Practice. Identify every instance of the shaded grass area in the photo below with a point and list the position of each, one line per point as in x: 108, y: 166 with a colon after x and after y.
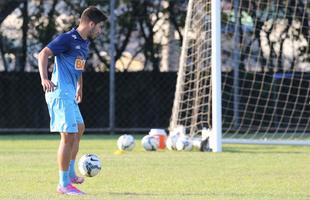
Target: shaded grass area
x: 28, y: 170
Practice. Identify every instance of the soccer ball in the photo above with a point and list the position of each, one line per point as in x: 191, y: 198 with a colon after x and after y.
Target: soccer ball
x: 184, y: 143
x: 126, y: 142
x: 89, y: 165
x: 149, y: 143
x: 171, y: 142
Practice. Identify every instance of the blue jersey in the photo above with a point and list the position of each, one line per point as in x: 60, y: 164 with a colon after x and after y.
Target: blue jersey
x: 70, y: 51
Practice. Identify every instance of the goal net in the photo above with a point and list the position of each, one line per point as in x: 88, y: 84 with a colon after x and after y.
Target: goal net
x: 265, y: 71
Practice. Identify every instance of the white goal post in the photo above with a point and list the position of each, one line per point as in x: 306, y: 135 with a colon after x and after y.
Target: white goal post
x: 245, y: 72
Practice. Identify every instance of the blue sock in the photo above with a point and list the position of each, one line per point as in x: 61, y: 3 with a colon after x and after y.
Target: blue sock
x: 71, y: 169
x: 64, y: 178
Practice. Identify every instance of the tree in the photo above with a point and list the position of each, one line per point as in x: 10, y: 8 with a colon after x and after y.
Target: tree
x: 136, y: 30
x: 146, y: 20
x: 175, y: 13
x: 276, y: 31
x: 6, y: 8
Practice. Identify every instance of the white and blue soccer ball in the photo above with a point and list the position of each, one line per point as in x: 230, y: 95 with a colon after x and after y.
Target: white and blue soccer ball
x: 126, y: 142
x: 149, y: 143
x: 89, y: 165
x: 171, y: 142
x: 184, y: 144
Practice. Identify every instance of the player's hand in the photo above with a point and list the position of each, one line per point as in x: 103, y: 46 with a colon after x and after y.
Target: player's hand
x: 79, y: 96
x: 48, y: 86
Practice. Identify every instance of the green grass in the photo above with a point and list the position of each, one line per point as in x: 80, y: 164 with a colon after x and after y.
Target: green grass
x: 28, y: 170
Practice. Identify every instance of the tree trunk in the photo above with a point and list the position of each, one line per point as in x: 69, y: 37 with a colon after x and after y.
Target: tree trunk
x: 25, y: 31
x: 170, y: 51
x: 5, y: 65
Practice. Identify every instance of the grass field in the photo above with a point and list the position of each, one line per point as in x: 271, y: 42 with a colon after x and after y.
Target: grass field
x: 28, y: 170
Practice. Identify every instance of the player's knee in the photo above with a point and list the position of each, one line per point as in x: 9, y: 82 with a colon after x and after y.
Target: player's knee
x: 81, y: 128
x: 67, y: 138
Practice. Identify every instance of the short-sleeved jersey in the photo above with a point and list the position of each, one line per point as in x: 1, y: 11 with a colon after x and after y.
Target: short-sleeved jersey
x: 70, y: 51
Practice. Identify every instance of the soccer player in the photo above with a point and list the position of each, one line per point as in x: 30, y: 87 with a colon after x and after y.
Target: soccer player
x: 64, y: 91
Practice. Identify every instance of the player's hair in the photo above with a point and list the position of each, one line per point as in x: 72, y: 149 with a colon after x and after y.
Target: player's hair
x: 93, y: 14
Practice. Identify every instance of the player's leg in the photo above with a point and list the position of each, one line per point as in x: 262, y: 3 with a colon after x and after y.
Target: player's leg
x: 75, y: 149
x: 63, y: 157
x: 76, y: 143
x: 62, y: 116
x: 74, y: 178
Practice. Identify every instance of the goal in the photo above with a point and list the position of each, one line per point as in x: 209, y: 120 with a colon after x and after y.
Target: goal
x: 245, y: 72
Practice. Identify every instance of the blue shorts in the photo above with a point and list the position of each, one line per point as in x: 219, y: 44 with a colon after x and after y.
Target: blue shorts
x: 64, y: 114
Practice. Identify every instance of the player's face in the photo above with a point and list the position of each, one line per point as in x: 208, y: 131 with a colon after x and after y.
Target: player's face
x: 95, y: 30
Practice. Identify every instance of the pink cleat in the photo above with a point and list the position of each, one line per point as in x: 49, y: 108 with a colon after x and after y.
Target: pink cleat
x: 77, y: 180
x: 69, y: 190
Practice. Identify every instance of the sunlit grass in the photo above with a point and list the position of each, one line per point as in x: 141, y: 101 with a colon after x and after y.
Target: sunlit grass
x: 28, y: 170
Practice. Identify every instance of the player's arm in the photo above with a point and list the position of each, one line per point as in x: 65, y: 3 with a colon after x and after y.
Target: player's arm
x: 43, y: 62
x: 57, y: 46
x: 79, y: 92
